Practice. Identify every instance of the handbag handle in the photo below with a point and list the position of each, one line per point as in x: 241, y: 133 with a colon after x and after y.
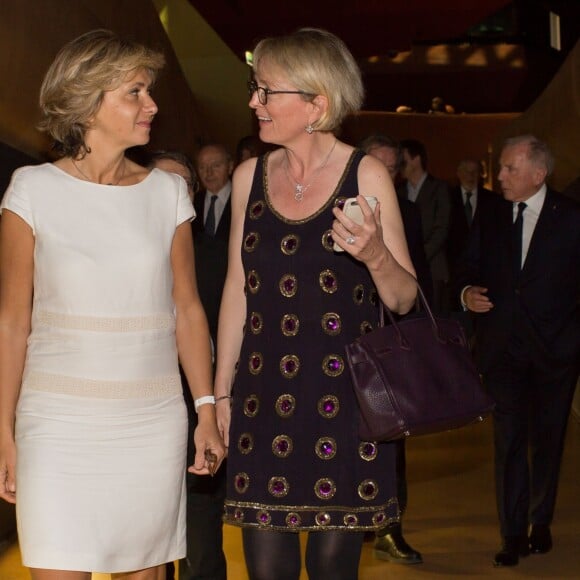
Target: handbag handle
x: 423, y: 302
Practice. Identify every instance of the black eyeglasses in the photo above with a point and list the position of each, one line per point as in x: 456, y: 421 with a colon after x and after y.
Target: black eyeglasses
x: 263, y: 92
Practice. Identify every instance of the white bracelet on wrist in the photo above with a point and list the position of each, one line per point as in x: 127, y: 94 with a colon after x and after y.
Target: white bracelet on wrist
x: 205, y: 400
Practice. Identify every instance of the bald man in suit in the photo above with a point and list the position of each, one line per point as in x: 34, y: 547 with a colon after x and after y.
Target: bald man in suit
x: 520, y: 277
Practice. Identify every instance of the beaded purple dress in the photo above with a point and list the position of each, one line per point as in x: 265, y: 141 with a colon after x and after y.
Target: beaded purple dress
x: 295, y: 461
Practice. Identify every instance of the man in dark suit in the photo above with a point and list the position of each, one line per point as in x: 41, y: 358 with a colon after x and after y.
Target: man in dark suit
x: 390, y: 544
x: 431, y: 196
x: 211, y: 228
x: 466, y: 198
x: 521, y: 277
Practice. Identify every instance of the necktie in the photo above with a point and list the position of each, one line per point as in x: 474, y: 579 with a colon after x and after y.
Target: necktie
x: 517, y: 230
x: 210, y: 219
x: 468, y: 207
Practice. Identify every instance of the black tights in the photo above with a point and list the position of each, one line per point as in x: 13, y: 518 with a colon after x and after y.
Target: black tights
x: 272, y: 555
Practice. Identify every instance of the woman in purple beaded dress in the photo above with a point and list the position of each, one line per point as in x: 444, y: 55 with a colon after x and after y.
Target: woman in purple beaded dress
x: 291, y: 303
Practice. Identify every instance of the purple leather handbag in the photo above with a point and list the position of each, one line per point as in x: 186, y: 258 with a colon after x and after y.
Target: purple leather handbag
x: 414, y: 377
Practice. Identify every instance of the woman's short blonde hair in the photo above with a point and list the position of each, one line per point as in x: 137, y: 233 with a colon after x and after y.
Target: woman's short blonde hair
x: 81, y: 73
x: 316, y: 62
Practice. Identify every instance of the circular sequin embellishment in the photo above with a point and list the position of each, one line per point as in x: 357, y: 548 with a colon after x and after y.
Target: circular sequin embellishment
x: 325, y: 448
x: 289, y: 325
x: 331, y: 323
x: 290, y: 244
x: 282, y: 446
x: 358, y: 294
x: 328, y: 282
x: 325, y: 488
x: 379, y: 518
x: 256, y: 322
x: 350, y: 520
x: 241, y: 482
x: 255, y: 363
x: 328, y: 241
x: 288, y: 285
x: 333, y: 365
x: 251, y: 241
x: 293, y: 520
x: 253, y: 281
x: 245, y: 443
x: 263, y: 517
x: 251, y: 406
x: 256, y: 210
x: 365, y: 327
x: 368, y: 450
x: 374, y: 297
x: 278, y: 486
x: 339, y: 202
x: 322, y: 519
x: 239, y: 515
x: 328, y: 406
x: 285, y: 406
x: 368, y: 489
x: 289, y: 366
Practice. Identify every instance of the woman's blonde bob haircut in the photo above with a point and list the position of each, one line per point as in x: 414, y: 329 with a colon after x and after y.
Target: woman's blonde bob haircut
x: 317, y: 62
x: 81, y: 73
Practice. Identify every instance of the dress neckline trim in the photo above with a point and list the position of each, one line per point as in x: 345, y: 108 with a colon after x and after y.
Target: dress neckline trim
x: 102, y: 185
x: 325, y: 206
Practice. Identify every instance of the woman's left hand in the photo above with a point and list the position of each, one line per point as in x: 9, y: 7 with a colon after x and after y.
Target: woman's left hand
x: 210, y: 450
x: 362, y: 241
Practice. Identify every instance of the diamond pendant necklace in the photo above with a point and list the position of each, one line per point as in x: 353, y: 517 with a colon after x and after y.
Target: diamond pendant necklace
x: 300, y: 188
x: 87, y: 178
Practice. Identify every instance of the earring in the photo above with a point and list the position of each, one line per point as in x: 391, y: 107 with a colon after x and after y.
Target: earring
x: 309, y: 129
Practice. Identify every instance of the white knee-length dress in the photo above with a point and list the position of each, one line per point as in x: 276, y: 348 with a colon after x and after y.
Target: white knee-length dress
x: 101, y: 424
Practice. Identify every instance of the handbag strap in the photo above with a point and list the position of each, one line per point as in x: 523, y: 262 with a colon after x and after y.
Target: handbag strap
x: 422, y: 301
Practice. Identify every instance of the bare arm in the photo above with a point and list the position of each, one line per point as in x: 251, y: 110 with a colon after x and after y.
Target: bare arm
x: 16, y: 281
x: 193, y: 346
x: 380, y: 240
x: 233, y: 304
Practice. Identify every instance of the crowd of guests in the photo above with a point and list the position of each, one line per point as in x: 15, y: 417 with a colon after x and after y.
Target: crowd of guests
x: 248, y: 239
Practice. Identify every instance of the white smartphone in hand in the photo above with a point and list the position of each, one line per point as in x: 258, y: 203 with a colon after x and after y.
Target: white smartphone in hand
x: 352, y: 209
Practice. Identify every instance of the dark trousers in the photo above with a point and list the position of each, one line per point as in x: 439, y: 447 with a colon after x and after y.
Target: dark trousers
x: 401, y: 469
x: 205, y: 507
x: 533, y: 399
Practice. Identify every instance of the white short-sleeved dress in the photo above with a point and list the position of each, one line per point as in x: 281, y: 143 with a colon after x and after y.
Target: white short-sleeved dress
x: 101, y: 424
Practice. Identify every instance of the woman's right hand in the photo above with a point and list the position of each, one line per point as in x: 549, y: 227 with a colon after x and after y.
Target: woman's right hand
x: 8, y: 471
x: 223, y: 411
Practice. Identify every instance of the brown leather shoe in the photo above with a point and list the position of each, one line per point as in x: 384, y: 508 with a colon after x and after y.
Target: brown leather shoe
x: 540, y: 539
x: 393, y: 548
x: 513, y: 548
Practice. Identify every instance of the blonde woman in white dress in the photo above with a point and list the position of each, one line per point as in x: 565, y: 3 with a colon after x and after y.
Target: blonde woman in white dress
x: 98, y: 301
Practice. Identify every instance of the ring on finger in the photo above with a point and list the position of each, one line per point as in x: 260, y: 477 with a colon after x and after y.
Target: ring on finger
x: 350, y: 240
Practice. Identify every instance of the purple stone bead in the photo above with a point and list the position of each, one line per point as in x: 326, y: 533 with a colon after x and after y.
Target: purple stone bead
x: 289, y: 285
x: 264, y: 517
x: 282, y: 446
x: 332, y: 323
x: 290, y: 366
x: 329, y: 406
x: 327, y: 448
x: 256, y: 362
x: 329, y: 281
x: 252, y: 405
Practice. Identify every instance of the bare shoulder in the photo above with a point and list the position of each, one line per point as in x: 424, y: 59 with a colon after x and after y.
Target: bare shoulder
x: 373, y: 176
